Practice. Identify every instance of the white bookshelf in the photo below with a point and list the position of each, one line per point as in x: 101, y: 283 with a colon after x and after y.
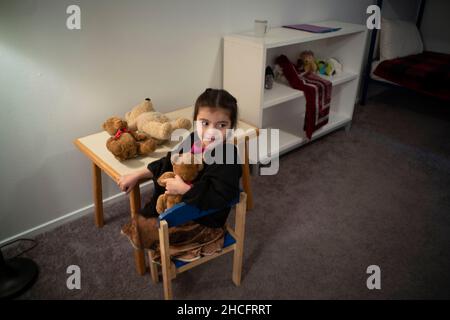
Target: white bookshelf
x: 283, y: 108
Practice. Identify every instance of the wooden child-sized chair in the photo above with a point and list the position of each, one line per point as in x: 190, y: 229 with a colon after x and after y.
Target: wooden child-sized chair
x: 182, y: 213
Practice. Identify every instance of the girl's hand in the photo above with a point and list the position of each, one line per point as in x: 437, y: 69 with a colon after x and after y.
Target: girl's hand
x: 126, y: 183
x: 176, y: 186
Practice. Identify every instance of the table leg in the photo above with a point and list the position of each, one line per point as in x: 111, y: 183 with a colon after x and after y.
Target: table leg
x: 135, y: 206
x: 98, y: 195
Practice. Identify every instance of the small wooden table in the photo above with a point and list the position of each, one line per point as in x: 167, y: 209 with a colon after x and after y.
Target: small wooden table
x: 94, y: 147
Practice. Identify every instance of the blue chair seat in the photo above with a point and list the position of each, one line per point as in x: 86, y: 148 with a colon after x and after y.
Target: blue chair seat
x: 228, y: 241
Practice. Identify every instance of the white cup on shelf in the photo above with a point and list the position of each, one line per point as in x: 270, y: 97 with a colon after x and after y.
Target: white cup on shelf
x: 261, y: 27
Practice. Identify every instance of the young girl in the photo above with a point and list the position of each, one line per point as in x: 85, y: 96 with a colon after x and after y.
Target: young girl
x: 217, y: 184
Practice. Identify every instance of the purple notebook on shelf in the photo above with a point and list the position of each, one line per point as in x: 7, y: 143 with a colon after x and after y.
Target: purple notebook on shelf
x: 311, y: 28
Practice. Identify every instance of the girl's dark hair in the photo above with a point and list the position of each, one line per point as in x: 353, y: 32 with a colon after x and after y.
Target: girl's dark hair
x: 218, y: 98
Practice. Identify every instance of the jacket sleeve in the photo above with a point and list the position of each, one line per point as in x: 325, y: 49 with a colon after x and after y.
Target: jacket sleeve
x: 158, y: 167
x: 217, y: 187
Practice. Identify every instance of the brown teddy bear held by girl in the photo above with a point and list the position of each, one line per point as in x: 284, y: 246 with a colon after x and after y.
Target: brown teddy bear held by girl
x: 187, y: 166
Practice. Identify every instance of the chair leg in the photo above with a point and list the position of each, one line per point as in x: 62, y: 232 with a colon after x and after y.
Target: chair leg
x: 239, y: 245
x: 153, y: 267
x: 165, y: 259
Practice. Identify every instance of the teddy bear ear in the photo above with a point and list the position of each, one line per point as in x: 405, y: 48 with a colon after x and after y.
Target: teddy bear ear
x: 108, y: 126
x: 120, y: 122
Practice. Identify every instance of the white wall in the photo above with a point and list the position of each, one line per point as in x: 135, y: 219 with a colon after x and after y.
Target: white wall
x: 57, y: 85
x: 435, y: 27
x: 400, y: 9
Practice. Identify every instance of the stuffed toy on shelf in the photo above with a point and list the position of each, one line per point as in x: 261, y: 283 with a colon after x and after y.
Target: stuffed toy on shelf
x: 329, y: 67
x: 269, y: 78
x: 306, y: 62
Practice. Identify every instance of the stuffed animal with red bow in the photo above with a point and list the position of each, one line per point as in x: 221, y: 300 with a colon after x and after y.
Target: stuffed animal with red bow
x: 125, y: 144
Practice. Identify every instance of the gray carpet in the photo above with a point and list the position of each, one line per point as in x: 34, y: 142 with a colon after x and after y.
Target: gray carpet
x: 379, y: 194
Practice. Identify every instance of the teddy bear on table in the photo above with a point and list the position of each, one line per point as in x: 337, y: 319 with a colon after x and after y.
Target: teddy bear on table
x: 187, y: 166
x: 144, y: 118
x: 125, y: 143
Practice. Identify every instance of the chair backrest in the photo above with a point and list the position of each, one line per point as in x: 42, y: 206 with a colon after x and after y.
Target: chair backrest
x: 183, y: 212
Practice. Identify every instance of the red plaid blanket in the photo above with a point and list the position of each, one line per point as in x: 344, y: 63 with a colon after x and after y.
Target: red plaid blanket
x: 317, y: 93
x: 427, y: 72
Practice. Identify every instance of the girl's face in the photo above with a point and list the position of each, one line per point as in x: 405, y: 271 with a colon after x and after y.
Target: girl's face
x: 212, y: 122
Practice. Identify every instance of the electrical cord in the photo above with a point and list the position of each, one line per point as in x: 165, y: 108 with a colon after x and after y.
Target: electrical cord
x: 24, y: 251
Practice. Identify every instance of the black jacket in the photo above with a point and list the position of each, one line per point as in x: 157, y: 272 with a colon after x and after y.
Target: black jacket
x: 216, y: 185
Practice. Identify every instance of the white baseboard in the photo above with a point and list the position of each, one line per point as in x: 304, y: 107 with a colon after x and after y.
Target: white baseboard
x: 71, y: 216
